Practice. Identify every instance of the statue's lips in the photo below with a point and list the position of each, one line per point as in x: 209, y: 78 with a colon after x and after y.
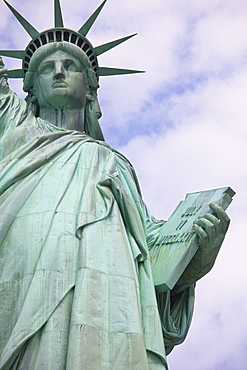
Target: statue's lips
x: 59, y: 84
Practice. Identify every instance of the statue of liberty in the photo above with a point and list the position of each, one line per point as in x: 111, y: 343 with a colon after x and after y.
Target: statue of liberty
x: 76, y: 281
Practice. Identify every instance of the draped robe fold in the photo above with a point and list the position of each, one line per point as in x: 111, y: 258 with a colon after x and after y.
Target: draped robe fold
x: 76, y: 284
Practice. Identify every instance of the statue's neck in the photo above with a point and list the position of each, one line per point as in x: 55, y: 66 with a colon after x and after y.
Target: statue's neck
x: 70, y: 119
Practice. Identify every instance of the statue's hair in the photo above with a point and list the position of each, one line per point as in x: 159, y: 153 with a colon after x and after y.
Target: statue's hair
x: 93, y: 111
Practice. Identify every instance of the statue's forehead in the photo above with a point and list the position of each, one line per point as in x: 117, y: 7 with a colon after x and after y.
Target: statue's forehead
x: 59, y: 55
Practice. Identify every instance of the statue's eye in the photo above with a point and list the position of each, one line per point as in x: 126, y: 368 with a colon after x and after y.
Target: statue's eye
x: 71, y: 66
x: 46, y: 69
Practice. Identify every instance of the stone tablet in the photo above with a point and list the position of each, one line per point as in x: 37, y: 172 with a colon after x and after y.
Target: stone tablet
x: 177, y: 243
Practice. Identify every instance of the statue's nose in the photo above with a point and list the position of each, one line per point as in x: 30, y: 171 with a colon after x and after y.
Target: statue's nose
x: 59, y: 76
x: 59, y: 73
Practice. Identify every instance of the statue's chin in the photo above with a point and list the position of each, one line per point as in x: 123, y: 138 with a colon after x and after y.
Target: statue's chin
x: 61, y: 100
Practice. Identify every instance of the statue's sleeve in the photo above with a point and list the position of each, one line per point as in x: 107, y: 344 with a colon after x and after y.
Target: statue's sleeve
x: 176, y: 310
x: 176, y: 305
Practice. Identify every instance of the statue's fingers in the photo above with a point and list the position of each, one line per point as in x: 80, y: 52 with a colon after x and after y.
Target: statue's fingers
x: 202, y: 235
x: 221, y: 214
x: 219, y: 228
x: 213, y: 219
x: 207, y: 226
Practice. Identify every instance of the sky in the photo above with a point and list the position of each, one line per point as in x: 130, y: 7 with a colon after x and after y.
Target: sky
x: 182, y: 124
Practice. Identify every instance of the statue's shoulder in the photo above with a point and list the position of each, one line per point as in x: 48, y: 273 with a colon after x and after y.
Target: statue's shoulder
x: 119, y: 156
x: 123, y: 162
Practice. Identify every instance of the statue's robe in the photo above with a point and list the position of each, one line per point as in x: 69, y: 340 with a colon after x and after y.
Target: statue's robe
x: 76, y: 284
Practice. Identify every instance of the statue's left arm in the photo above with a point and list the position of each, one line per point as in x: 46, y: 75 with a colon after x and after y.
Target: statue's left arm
x: 210, y: 230
x: 176, y: 305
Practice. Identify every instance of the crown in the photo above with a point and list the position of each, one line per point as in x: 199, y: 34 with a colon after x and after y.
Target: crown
x: 61, y: 34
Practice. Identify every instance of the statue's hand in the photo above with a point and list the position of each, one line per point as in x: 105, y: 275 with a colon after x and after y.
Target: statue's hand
x: 211, y: 228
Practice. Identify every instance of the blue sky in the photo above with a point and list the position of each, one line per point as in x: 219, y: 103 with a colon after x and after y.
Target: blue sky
x: 183, y: 124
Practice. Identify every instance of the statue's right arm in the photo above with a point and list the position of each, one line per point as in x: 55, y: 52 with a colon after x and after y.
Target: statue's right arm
x: 4, y: 86
x: 13, y: 110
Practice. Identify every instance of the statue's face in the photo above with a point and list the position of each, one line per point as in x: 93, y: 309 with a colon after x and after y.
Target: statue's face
x: 60, y: 82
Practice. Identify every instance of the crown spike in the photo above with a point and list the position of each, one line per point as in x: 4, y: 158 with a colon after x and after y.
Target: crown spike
x: 15, y: 73
x: 25, y: 24
x: 110, y: 45
x: 58, y: 16
x: 88, y: 24
x: 18, y: 54
x: 107, y: 71
x: 40, y: 39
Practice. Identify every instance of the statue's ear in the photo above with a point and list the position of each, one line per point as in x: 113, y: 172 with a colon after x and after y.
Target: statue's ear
x: 89, y: 97
x: 31, y: 96
x: 32, y: 102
